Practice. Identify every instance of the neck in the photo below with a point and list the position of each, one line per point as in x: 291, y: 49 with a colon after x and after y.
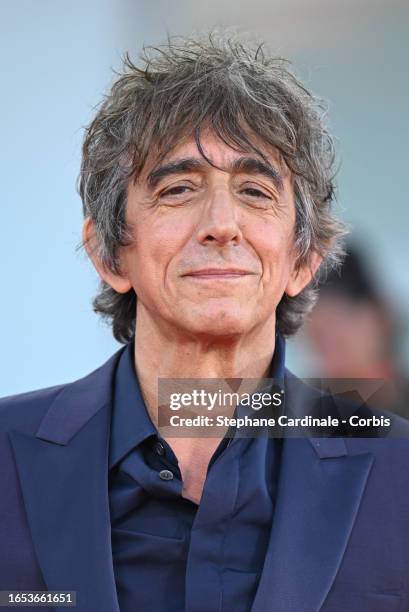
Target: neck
x: 168, y: 353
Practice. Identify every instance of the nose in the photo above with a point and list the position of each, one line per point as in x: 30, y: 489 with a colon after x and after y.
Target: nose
x: 219, y: 220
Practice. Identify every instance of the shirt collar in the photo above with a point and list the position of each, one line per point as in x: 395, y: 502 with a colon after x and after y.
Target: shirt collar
x: 130, y: 421
x: 277, y: 367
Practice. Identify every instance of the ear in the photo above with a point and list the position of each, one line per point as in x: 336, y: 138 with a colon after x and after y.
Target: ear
x: 118, y: 282
x: 302, y: 275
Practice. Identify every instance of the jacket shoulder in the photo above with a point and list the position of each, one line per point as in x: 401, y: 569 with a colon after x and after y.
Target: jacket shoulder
x: 25, y: 410
x: 389, y: 436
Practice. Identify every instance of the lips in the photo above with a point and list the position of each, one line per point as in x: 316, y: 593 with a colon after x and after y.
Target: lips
x: 215, y: 273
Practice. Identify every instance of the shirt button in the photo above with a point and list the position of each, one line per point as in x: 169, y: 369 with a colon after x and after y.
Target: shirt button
x: 165, y: 475
x: 159, y: 448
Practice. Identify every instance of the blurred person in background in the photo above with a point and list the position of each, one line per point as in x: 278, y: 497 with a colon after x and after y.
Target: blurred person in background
x: 354, y: 332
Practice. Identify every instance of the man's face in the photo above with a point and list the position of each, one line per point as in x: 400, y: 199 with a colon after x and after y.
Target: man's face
x: 213, y: 248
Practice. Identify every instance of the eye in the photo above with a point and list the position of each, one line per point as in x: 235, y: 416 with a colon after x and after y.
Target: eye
x: 175, y: 191
x: 255, y: 196
x: 255, y: 193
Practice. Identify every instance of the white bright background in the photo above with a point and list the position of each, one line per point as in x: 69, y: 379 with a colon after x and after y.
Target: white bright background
x: 56, y: 63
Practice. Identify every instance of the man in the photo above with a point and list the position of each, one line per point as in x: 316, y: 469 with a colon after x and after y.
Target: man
x: 207, y: 184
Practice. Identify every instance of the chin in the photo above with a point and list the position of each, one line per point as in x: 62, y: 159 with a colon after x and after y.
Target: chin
x: 220, y: 323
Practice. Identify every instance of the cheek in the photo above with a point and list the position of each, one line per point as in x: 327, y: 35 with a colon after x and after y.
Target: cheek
x: 275, y: 249
x: 156, y: 245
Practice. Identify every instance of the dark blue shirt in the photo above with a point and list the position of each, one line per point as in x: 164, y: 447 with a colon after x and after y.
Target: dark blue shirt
x: 170, y: 554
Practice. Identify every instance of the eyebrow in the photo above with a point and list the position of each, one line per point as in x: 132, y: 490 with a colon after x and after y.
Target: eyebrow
x: 178, y: 166
x: 250, y: 165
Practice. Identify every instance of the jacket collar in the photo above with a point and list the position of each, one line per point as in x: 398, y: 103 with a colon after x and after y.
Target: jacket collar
x: 78, y: 402
x: 320, y: 490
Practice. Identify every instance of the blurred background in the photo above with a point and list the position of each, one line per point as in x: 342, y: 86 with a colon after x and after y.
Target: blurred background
x: 57, y: 60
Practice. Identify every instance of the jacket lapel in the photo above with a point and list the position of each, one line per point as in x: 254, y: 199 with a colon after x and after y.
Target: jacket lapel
x: 319, y: 493
x: 63, y: 475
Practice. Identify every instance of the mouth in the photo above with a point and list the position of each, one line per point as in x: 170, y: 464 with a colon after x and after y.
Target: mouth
x: 218, y: 274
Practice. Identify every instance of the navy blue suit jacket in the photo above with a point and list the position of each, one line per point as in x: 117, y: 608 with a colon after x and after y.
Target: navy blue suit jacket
x: 340, y: 535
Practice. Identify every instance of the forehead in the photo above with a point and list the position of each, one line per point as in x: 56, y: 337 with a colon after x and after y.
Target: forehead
x: 217, y: 152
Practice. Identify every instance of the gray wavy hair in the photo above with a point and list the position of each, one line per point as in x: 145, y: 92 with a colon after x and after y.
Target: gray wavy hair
x: 245, y: 96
